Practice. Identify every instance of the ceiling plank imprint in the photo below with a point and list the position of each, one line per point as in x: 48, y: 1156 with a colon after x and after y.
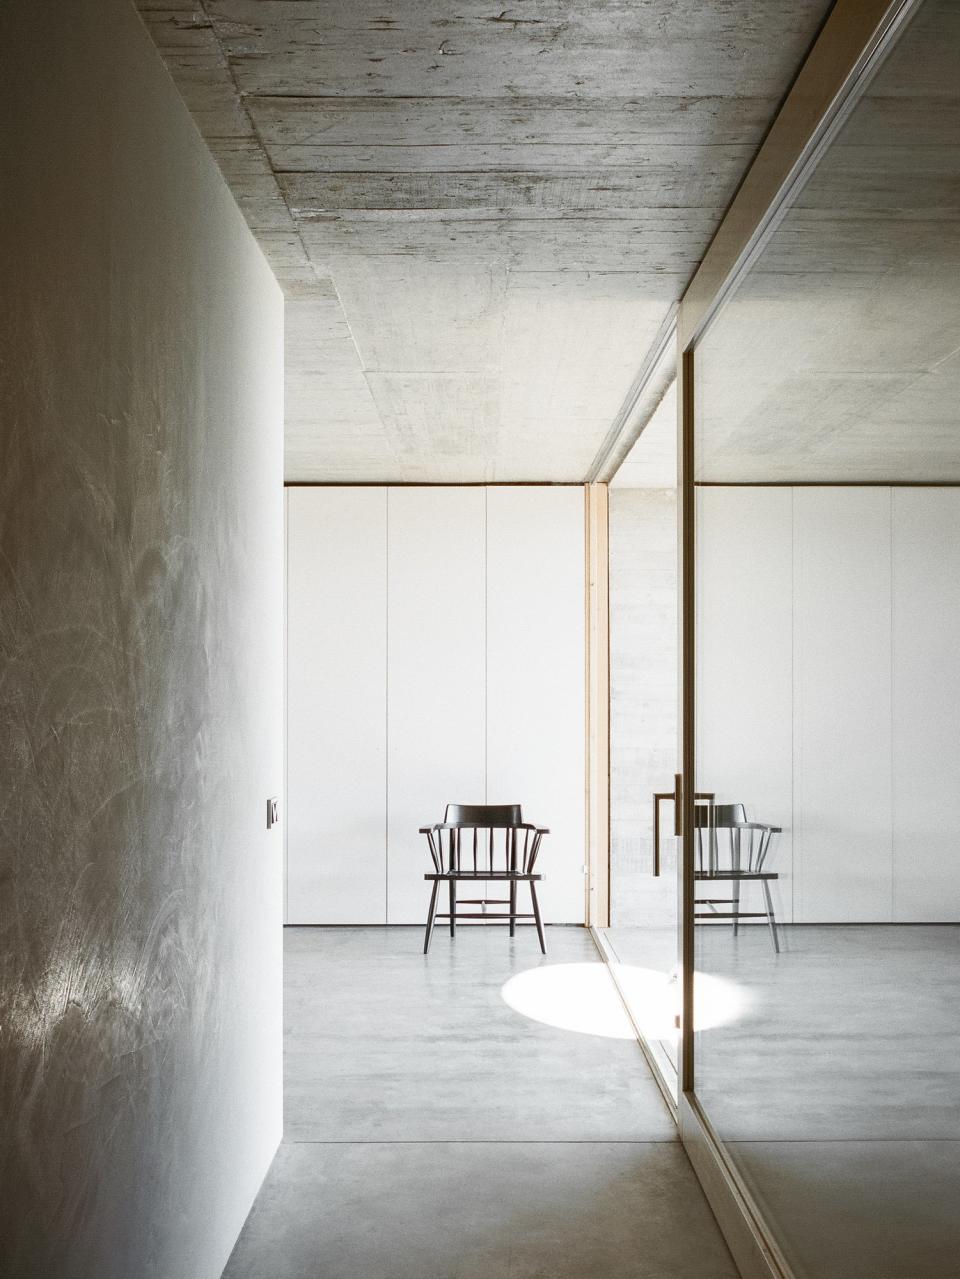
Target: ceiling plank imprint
x: 479, y: 216
x: 858, y: 283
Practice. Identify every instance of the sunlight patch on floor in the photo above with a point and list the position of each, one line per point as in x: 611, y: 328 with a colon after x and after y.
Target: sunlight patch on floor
x: 584, y: 999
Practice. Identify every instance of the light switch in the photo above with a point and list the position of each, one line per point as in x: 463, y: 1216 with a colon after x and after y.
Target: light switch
x: 273, y: 811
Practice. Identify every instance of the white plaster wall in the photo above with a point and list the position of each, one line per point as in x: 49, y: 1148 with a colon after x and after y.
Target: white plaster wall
x: 459, y: 642
x: 140, y: 667
x: 925, y: 624
x: 536, y: 686
x: 336, y: 705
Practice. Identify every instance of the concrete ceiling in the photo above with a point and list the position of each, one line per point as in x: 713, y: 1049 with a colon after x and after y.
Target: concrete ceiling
x: 481, y: 217
x: 652, y: 462
x: 838, y: 359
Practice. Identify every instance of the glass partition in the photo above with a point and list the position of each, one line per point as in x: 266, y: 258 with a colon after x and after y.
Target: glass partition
x: 827, y: 578
x: 642, y: 942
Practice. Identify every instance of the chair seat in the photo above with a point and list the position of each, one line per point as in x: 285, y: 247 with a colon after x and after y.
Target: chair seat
x: 482, y: 875
x: 735, y: 874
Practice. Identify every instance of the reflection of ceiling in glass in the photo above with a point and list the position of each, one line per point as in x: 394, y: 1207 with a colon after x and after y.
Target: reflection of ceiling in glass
x: 839, y: 356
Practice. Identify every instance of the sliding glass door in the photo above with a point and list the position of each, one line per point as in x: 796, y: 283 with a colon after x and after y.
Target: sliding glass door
x: 823, y: 582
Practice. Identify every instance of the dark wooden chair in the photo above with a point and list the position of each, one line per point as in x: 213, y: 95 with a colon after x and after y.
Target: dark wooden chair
x: 736, y: 858
x: 483, y: 843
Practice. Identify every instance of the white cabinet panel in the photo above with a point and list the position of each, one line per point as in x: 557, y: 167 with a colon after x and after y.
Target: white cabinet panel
x: 842, y: 727
x: 745, y: 663
x: 926, y: 697
x: 535, y: 677
x: 336, y: 706
x: 436, y: 664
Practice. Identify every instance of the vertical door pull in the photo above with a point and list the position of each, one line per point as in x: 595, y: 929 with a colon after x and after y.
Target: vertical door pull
x: 678, y: 803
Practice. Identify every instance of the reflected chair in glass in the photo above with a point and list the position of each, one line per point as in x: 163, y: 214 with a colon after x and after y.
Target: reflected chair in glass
x: 481, y: 843
x: 731, y: 849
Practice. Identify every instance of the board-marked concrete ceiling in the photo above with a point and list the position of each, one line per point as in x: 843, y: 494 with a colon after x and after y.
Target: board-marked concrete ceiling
x: 480, y: 216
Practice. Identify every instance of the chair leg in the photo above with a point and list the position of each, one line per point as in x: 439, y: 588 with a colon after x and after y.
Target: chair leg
x: 431, y: 915
x: 736, y: 907
x: 771, y: 918
x: 536, y: 916
x: 513, y: 908
x: 453, y: 908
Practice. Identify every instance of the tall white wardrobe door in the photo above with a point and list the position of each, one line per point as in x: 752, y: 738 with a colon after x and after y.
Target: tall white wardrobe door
x: 745, y: 664
x: 926, y: 703
x: 336, y: 699
x: 535, y: 677
x: 842, y: 738
x: 436, y: 676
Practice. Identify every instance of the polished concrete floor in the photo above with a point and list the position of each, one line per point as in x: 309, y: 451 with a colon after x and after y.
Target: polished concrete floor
x: 433, y: 1132
x: 836, y: 1087
x: 649, y: 948
x: 832, y: 1073
x: 852, y: 1032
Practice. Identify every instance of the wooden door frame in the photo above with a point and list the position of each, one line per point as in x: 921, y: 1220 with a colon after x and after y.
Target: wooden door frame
x: 597, y: 772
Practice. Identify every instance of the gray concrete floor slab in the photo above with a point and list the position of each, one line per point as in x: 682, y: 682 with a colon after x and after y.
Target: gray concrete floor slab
x: 435, y: 1133
x: 654, y: 948
x: 853, y: 1032
x: 836, y: 1090
x: 494, y: 1210
x: 368, y: 1015
x: 846, y: 1209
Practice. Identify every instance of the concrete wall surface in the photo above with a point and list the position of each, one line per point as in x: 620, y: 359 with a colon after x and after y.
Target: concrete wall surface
x: 643, y: 701
x: 140, y: 667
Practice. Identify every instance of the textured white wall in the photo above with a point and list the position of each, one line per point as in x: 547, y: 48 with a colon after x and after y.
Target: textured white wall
x: 140, y: 690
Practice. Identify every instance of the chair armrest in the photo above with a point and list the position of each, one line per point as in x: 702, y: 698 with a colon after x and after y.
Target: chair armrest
x: 774, y: 830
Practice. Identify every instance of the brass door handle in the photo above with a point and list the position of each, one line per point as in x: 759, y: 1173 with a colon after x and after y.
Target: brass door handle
x: 658, y: 798
x: 678, y: 803
x: 677, y: 796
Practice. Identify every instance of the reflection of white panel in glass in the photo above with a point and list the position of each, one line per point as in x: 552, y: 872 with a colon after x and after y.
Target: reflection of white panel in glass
x: 436, y: 677
x: 926, y: 696
x: 842, y: 747
x: 336, y: 693
x: 744, y: 630
x: 535, y: 677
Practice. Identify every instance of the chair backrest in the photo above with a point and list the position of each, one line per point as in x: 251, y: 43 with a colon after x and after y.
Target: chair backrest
x: 724, y: 815
x: 489, y: 816
x: 743, y: 847
x: 480, y: 849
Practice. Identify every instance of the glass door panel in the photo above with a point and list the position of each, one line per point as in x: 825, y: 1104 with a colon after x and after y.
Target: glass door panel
x: 827, y: 584
x: 643, y: 938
